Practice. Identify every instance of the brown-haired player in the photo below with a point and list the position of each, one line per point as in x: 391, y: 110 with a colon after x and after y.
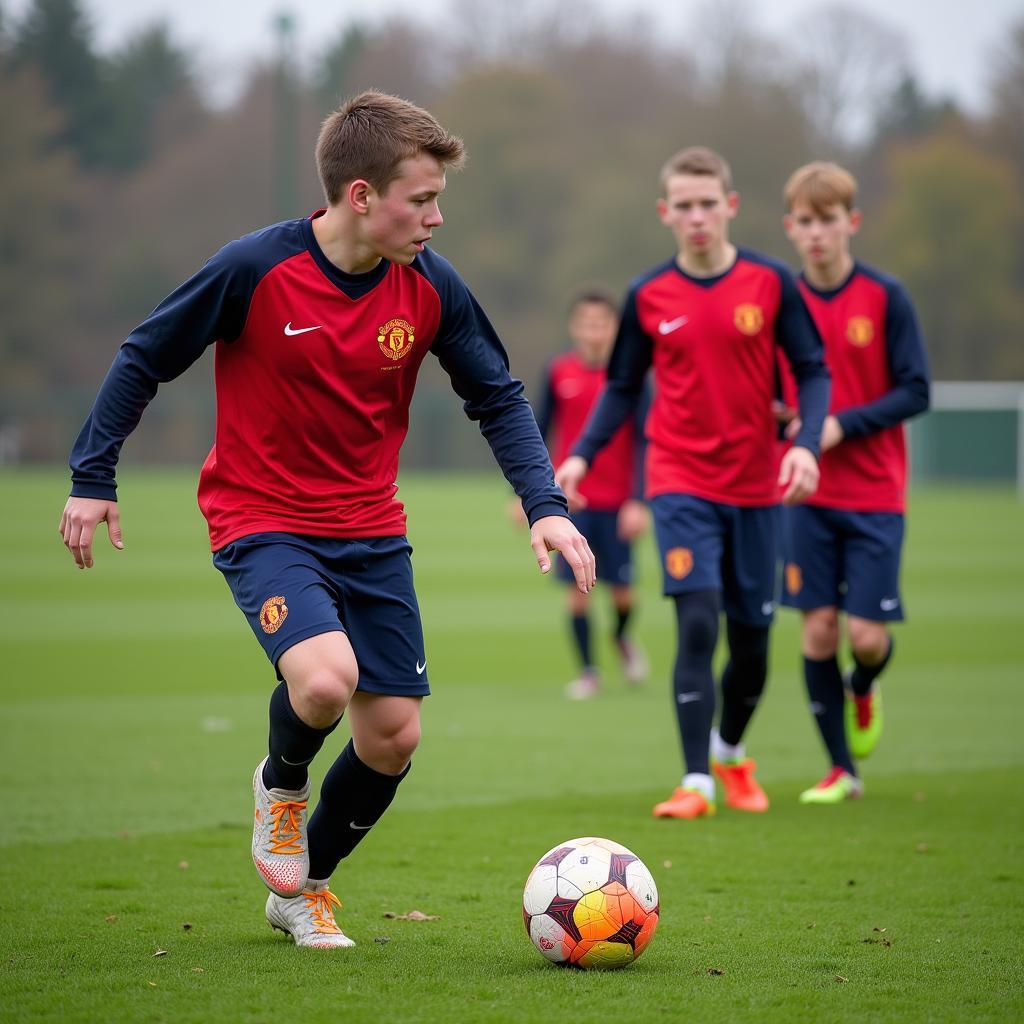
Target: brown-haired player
x: 320, y: 326
x: 844, y: 543
x: 709, y: 321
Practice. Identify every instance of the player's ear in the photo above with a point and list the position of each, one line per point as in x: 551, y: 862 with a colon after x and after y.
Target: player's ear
x: 855, y: 220
x: 732, y: 201
x: 787, y: 224
x: 358, y: 195
x: 662, y: 207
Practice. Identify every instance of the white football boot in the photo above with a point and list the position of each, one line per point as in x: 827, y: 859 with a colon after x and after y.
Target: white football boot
x: 280, y: 849
x: 309, y: 918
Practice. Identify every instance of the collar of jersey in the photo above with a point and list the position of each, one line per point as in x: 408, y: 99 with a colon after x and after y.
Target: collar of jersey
x: 707, y: 282
x: 831, y: 293
x: 353, y: 285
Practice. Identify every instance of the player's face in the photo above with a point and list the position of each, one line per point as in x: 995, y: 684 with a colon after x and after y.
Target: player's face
x: 400, y: 221
x: 697, y: 210
x: 821, y: 237
x: 592, y: 328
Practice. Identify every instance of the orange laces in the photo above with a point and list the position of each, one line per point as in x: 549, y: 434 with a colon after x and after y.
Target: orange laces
x: 319, y: 906
x: 285, y: 835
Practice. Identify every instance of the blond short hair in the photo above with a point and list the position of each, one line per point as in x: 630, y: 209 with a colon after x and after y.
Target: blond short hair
x: 370, y: 135
x: 820, y: 185
x: 697, y: 160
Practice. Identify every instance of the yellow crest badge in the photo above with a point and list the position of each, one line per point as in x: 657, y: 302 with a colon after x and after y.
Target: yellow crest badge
x: 396, y: 338
x: 678, y: 562
x: 860, y: 331
x: 272, y: 614
x: 748, y: 318
x: 794, y: 578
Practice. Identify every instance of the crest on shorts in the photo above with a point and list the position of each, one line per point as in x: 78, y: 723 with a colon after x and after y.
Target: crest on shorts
x: 272, y: 614
x: 678, y: 562
x: 860, y: 331
x: 395, y: 338
x: 794, y: 578
x: 748, y: 318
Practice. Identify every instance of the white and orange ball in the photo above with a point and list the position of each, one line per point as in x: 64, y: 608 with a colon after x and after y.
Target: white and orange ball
x: 590, y: 903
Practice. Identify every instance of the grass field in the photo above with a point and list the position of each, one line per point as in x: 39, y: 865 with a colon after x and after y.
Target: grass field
x: 133, y: 709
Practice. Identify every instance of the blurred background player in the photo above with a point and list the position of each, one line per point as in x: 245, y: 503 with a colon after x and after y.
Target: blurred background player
x: 844, y: 544
x: 709, y: 321
x: 613, y: 513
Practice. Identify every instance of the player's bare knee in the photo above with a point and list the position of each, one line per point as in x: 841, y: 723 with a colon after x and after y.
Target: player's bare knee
x: 869, y: 640
x: 821, y: 634
x: 324, y: 693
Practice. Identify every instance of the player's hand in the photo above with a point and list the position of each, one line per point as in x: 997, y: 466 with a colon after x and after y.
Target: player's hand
x: 515, y: 513
x: 568, y: 476
x: 798, y: 474
x: 557, y: 533
x: 78, y: 524
x: 793, y: 428
x: 633, y: 520
x: 831, y: 433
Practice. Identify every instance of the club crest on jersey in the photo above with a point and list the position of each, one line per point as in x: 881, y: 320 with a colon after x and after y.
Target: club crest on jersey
x: 748, y: 318
x: 679, y: 562
x: 794, y: 578
x: 860, y: 331
x: 395, y: 338
x: 272, y: 614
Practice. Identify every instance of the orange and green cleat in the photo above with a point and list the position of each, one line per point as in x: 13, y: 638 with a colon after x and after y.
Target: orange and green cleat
x: 685, y: 803
x: 837, y: 786
x: 742, y: 790
x: 863, y: 722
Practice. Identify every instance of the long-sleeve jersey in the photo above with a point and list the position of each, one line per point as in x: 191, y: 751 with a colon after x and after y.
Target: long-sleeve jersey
x: 874, y: 349
x: 712, y: 342
x: 569, y: 391
x: 315, y: 370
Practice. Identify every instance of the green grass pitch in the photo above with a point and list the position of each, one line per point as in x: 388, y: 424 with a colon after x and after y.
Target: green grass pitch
x: 133, y: 709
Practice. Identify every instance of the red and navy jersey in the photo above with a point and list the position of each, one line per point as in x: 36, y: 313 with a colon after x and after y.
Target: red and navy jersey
x: 711, y: 431
x: 874, y: 349
x: 315, y: 370
x: 569, y: 392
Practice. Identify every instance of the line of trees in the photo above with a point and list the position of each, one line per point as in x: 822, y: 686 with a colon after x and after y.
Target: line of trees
x: 119, y: 178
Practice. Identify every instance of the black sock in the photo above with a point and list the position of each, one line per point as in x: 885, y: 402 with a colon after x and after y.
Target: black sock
x: 581, y: 635
x: 293, y: 744
x: 863, y: 676
x: 693, y: 684
x: 621, y: 621
x: 743, y: 678
x: 825, y: 690
x: 352, y: 798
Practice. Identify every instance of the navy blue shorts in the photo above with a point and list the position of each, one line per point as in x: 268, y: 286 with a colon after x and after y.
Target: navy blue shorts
x: 613, y: 554
x: 847, y: 560
x: 707, y: 545
x: 293, y: 587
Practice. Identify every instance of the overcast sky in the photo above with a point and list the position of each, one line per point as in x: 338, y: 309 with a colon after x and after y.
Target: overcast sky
x: 951, y: 41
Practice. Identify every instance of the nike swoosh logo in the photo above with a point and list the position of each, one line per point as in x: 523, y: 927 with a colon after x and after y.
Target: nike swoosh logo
x: 359, y: 828
x: 292, y: 331
x: 687, y: 698
x: 668, y: 326
x: 768, y: 607
x: 887, y: 604
x: 295, y: 764
x: 420, y: 668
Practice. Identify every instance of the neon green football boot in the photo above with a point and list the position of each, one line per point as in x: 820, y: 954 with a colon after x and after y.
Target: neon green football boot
x: 863, y: 722
x: 837, y: 786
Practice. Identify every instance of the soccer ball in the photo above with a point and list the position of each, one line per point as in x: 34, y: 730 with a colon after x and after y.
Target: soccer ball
x: 590, y: 903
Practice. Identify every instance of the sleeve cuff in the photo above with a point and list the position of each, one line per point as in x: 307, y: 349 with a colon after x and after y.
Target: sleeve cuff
x: 94, y: 489
x: 546, y: 508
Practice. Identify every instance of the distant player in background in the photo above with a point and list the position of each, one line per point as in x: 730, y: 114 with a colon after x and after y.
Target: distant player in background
x: 321, y: 325
x: 844, y: 543
x: 709, y: 321
x: 614, y: 513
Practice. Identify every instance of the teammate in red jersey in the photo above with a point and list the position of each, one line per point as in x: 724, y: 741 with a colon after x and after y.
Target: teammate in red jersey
x: 614, y: 513
x: 844, y: 544
x: 709, y: 321
x: 320, y: 326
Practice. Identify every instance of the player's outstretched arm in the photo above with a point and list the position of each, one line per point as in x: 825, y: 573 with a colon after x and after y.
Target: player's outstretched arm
x: 798, y: 474
x: 557, y: 533
x: 569, y: 476
x: 78, y: 525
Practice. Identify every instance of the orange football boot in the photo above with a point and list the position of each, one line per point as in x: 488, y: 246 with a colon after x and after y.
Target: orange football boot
x: 685, y: 803
x: 742, y: 790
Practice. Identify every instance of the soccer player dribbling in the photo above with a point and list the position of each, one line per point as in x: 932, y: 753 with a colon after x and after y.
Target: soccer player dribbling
x: 320, y: 326
x: 844, y: 544
x: 614, y: 514
x: 709, y: 321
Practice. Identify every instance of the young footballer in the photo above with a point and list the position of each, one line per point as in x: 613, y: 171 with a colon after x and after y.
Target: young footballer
x: 320, y: 326
x: 845, y: 542
x: 708, y: 321
x: 614, y: 513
